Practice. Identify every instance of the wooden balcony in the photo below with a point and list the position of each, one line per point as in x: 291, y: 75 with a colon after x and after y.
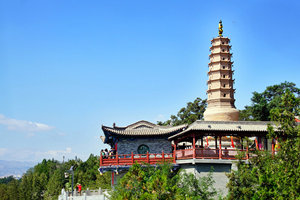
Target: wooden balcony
x: 182, y: 154
x: 130, y: 159
x: 201, y: 153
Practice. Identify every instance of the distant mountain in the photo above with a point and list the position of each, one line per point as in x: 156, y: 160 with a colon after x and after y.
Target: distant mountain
x: 15, y: 168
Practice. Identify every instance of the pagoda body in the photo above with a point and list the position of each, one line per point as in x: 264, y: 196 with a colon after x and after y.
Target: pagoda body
x: 220, y: 101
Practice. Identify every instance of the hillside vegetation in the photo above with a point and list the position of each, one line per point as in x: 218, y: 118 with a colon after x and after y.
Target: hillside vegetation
x: 46, y: 179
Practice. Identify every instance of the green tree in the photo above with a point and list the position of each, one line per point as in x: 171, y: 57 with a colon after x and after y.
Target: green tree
x: 3, y: 192
x: 193, y: 188
x: 103, y: 181
x: 273, y: 176
x: 26, y: 188
x: 187, y: 115
x: 55, y: 184
x: 6, y: 180
x: 86, y: 172
x: 13, y: 189
x: 39, y: 183
x: 263, y: 103
x: 161, y: 182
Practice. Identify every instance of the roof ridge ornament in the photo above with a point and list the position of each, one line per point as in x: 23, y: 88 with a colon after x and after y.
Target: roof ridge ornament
x: 220, y: 28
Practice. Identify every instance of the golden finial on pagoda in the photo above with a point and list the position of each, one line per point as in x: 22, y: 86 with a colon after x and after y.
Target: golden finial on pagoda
x: 220, y: 28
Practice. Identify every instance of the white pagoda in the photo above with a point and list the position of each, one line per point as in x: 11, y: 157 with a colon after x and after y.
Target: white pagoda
x: 220, y: 101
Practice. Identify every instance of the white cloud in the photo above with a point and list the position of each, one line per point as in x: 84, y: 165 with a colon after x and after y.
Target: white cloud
x: 57, y: 153
x: 23, y: 125
x: 35, y: 155
x: 3, y: 151
x: 160, y: 117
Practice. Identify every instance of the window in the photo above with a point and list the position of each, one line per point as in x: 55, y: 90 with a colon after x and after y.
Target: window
x: 223, y: 67
x: 223, y: 58
x: 224, y: 95
x: 222, y: 42
x: 223, y: 50
x: 143, y: 149
x: 224, y: 76
x: 224, y: 85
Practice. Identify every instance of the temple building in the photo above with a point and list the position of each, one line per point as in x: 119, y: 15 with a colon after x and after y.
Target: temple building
x: 141, y: 137
x: 201, y: 145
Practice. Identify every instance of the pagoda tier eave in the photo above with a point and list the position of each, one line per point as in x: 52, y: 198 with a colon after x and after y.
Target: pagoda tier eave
x: 221, y: 61
x: 221, y: 99
x: 223, y: 70
x: 219, y: 37
x: 219, y: 45
x: 220, y: 53
x: 224, y: 79
x: 221, y: 89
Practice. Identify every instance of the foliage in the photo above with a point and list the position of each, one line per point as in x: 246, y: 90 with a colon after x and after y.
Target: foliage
x: 194, y: 188
x: 6, y: 180
x: 46, y: 179
x: 263, y: 103
x: 192, y: 112
x: 273, y: 176
x: 161, y: 182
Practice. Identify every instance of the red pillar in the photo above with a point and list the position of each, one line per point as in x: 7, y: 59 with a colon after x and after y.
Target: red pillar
x: 163, y: 156
x: 194, y: 146
x: 148, y: 161
x: 112, y: 178
x: 174, y: 152
x: 101, y: 161
x: 220, y: 147
x: 117, y: 158
x: 273, y: 147
x: 247, y: 153
x: 132, y: 158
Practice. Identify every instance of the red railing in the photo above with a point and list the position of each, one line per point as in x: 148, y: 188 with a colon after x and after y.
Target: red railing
x: 197, y: 153
x: 201, y: 153
x: 130, y: 159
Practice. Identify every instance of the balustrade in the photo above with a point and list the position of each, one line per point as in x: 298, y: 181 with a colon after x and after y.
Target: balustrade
x: 181, y: 154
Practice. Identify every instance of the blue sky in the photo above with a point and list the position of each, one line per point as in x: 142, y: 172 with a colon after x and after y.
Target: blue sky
x: 67, y: 67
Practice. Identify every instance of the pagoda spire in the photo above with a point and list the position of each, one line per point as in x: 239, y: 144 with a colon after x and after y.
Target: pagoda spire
x: 220, y: 100
x: 220, y: 28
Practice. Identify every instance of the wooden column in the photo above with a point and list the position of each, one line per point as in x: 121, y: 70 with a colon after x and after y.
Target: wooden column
x: 220, y: 147
x: 117, y: 158
x: 132, y: 158
x: 174, y: 152
x: 216, y: 142
x: 256, y: 143
x: 112, y: 179
x: 273, y: 147
x: 101, y: 159
x: 194, y: 146
x: 148, y: 161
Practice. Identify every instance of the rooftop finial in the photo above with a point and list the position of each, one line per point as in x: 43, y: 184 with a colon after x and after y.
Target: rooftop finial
x: 220, y: 28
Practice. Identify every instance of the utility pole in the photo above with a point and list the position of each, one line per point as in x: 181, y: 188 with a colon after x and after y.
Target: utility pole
x: 72, y: 172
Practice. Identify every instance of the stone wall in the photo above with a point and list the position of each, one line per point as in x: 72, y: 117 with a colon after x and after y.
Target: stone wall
x: 156, y: 145
x: 219, y: 173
